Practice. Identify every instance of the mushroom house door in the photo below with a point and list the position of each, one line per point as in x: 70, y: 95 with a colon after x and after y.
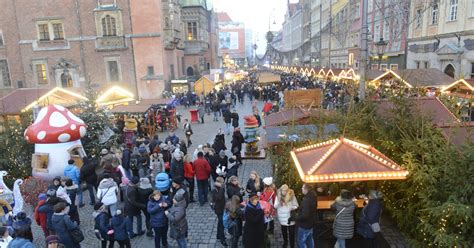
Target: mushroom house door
x: 77, y: 153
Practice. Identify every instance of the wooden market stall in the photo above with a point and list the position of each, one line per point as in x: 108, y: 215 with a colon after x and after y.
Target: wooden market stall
x: 179, y: 86
x: 410, y: 78
x: 458, y: 134
x: 115, y: 95
x: 268, y: 78
x: 309, y: 98
x: 296, y: 115
x: 463, y: 88
x: 343, y: 160
x: 204, y: 85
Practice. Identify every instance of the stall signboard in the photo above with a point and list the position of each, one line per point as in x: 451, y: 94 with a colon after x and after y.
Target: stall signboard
x: 309, y: 98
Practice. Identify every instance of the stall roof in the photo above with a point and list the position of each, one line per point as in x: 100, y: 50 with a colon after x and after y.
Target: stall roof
x: 282, y: 134
x: 115, y: 95
x: 268, y: 77
x: 21, y: 100
x: 458, y: 134
x: 285, y: 116
x: 466, y: 85
x: 140, y: 107
x: 430, y: 106
x: 429, y: 77
x: 343, y: 160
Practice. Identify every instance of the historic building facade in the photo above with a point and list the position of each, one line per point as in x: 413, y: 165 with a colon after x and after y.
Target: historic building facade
x: 442, y: 36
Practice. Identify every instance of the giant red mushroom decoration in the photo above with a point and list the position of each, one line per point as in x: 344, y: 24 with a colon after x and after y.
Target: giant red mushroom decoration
x: 56, y: 133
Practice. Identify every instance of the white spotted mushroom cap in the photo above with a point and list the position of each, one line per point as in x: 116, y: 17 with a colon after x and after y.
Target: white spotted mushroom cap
x: 55, y: 124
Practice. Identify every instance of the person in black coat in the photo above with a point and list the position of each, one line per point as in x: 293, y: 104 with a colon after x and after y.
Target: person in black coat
x: 213, y: 160
x: 235, y: 118
x: 233, y: 188
x: 218, y: 204
x: 254, y: 184
x: 126, y: 156
x: 254, y: 227
x: 88, y: 175
x: 144, y: 191
x: 218, y: 145
x: 177, y: 185
x: 305, y: 219
x: 133, y: 207
x: 227, y: 120
x: 237, y: 141
x: 370, y: 214
x: 102, y: 225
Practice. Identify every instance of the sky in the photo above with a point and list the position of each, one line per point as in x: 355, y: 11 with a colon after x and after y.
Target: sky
x: 255, y: 14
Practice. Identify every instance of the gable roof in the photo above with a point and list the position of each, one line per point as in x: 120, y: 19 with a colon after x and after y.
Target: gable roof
x: 223, y: 17
x: 343, y: 160
x: 458, y: 134
x: 285, y: 116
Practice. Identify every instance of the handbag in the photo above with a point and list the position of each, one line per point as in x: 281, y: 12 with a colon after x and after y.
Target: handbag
x: 76, y: 235
x: 374, y: 226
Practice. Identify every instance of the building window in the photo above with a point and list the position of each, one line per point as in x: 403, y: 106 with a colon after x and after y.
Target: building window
x: 472, y: 69
x: 351, y: 59
x: 41, y: 73
x: 58, y: 31
x: 427, y: 64
x: 434, y: 14
x: 109, y: 26
x: 418, y: 18
x: 393, y: 67
x: 383, y: 67
x: 453, y: 10
x: 370, y: 5
x: 172, y: 72
x: 150, y: 70
x: 2, y: 43
x: 43, y: 32
x: 4, y: 74
x: 417, y: 64
x: 113, y: 69
x: 192, y: 31
x: 375, y: 67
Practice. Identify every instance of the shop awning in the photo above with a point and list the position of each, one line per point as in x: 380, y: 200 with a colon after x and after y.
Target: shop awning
x: 344, y: 160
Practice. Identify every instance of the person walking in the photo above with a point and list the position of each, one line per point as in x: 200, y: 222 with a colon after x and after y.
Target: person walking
x: 227, y: 120
x: 73, y: 172
x: 369, y: 221
x: 188, y: 131
x: 63, y: 225
x: 201, y: 112
x: 343, y: 227
x: 254, y: 227
x: 40, y: 218
x: 157, y: 205
x: 177, y: 218
x: 203, y: 171
x: 218, y: 204
x: 215, y: 110
x: 189, y: 176
x: 102, y: 225
x: 235, y: 118
x: 119, y: 225
x: 107, y: 193
x: 286, y: 205
x: 254, y: 184
x: 235, y: 212
x: 237, y: 141
x: 144, y: 191
x: 88, y: 175
x: 305, y: 218
x: 133, y: 207
x: 22, y: 232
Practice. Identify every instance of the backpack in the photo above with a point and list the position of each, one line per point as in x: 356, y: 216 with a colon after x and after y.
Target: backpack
x: 134, y: 163
x: 228, y: 222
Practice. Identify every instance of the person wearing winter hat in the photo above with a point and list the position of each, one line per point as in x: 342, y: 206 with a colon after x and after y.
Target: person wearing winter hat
x: 40, y: 218
x: 254, y: 227
x: 177, y: 164
x: 177, y: 218
x: 133, y: 207
x: 119, y: 225
x: 233, y: 167
x: 22, y: 232
x: 102, y: 225
x: 269, y: 195
x: 162, y: 183
x: 63, y: 224
x: 218, y: 204
x: 52, y: 241
x: 157, y: 205
x: 144, y: 191
x: 343, y: 227
x: 177, y: 186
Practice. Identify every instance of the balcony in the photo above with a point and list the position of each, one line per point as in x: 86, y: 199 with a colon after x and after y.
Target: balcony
x: 107, y: 43
x: 195, y: 47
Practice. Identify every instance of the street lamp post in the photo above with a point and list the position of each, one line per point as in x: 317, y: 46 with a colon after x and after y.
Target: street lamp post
x: 380, y: 45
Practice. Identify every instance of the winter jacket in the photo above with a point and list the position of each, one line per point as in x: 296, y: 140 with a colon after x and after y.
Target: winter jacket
x: 20, y: 243
x: 157, y: 165
x: 157, y: 213
x: 72, y: 172
x: 109, y: 160
x: 177, y: 219
x: 87, y: 172
x: 189, y: 170
x: 40, y: 218
x: 185, y: 193
x: 218, y: 199
x: 202, y: 169
x: 306, y: 215
x: 177, y: 168
x: 126, y: 155
x: 102, y: 223
x: 237, y: 141
x: 162, y: 182
x: 218, y: 146
x: 370, y: 214
x: 227, y: 116
x: 132, y: 205
x: 234, y: 190
x: 235, y: 119
x: 213, y: 162
x: 120, y: 227
x: 107, y: 191
x: 174, y: 140
x: 63, y: 225
x: 343, y: 227
x: 284, y: 208
x: 144, y: 195
x: 48, y: 209
x: 254, y: 228
x: 201, y: 111
x: 251, y: 186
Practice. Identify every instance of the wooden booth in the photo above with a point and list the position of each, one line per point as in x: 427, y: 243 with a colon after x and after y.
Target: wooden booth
x: 204, y: 85
x: 179, y: 86
x: 410, y: 78
x: 310, y: 98
x: 463, y: 88
x: 268, y: 78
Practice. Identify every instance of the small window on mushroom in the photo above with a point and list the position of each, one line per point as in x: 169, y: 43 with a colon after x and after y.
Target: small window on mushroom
x: 40, y: 162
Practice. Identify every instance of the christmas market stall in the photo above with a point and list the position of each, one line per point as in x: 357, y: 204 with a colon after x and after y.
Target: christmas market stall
x: 206, y: 84
x: 115, y: 95
x: 296, y: 115
x: 458, y: 134
x: 179, y: 86
x: 343, y: 160
x: 463, y: 88
x: 276, y: 135
x: 268, y: 78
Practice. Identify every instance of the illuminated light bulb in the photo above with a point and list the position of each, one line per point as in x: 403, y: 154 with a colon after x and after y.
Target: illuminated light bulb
x: 325, y: 177
x: 379, y: 175
x: 351, y: 176
x: 345, y: 176
x: 331, y: 177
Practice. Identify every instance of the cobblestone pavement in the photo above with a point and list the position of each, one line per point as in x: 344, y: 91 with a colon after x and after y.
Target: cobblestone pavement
x: 201, y: 220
